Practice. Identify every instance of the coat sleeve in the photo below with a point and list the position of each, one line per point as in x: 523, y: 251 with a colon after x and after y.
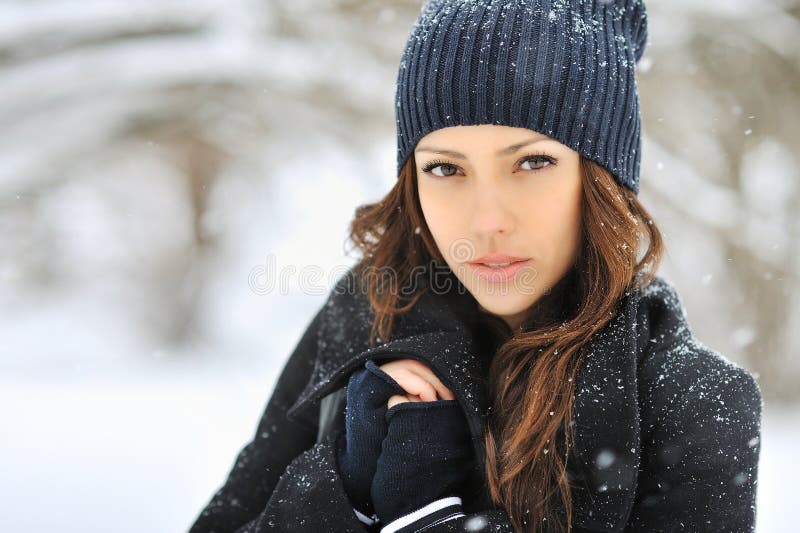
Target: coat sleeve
x: 277, y: 441
x: 309, y: 496
x: 700, y: 462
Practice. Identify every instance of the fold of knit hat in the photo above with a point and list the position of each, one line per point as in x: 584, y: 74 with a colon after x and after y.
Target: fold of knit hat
x: 563, y: 68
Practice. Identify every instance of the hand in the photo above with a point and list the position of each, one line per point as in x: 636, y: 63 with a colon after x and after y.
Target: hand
x: 417, y: 380
x: 358, y: 448
x: 427, y: 455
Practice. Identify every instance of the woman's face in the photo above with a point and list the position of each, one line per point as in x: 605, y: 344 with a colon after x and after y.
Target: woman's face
x: 491, y: 189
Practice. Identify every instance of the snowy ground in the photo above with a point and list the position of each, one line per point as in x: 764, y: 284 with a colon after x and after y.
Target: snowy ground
x: 146, y: 450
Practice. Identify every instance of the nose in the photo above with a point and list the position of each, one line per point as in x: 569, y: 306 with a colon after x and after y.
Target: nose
x: 492, y: 212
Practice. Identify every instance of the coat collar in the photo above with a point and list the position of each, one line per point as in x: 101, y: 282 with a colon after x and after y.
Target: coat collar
x: 438, y: 331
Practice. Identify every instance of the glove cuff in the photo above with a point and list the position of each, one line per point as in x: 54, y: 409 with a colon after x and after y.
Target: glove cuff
x: 417, y: 427
x: 385, y: 377
x: 434, y: 513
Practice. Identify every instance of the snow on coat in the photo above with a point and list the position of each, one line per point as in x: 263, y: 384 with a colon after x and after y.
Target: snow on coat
x: 667, y: 430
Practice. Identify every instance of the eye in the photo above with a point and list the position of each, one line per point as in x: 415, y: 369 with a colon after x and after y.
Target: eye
x: 545, y: 159
x: 540, y: 160
x: 436, y: 164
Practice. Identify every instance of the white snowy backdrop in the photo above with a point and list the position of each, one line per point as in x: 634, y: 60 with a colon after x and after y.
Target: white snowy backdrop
x: 156, y: 156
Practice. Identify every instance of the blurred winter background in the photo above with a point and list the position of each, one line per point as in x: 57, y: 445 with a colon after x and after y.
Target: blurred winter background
x: 159, y: 159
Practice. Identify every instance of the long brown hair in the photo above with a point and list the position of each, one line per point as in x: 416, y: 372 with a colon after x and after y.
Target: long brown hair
x: 533, y: 371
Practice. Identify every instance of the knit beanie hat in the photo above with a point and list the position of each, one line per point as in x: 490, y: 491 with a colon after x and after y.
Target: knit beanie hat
x: 563, y: 68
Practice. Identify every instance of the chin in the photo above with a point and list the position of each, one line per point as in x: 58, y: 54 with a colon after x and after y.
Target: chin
x: 503, y: 302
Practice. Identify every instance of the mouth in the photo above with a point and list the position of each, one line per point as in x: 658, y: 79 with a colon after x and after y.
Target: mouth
x: 498, y: 271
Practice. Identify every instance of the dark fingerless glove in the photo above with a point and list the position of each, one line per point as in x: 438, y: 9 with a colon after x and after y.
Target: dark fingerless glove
x: 358, y: 448
x: 427, y: 456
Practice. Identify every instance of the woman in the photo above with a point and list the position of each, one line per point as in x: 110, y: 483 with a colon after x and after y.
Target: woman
x: 501, y: 358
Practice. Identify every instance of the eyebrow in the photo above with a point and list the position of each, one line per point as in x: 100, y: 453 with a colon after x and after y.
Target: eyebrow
x: 504, y: 151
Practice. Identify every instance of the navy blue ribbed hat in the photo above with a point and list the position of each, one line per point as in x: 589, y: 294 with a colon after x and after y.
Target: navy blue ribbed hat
x: 563, y: 68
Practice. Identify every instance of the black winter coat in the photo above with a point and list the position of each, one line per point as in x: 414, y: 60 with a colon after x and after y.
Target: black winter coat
x: 681, y: 422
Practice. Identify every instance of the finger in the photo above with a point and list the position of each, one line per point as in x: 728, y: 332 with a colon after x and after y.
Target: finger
x: 409, y: 381
x: 414, y: 385
x: 397, y: 398
x: 421, y: 371
x: 394, y: 400
x: 427, y: 374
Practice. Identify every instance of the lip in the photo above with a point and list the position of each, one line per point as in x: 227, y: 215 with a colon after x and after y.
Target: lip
x: 499, y: 274
x: 498, y: 258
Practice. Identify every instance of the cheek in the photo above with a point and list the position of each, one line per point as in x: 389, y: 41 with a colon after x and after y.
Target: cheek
x: 441, y: 215
x: 572, y: 214
x: 553, y: 224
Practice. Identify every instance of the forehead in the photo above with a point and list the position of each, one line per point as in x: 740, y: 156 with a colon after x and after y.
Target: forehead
x: 486, y: 132
x: 500, y: 140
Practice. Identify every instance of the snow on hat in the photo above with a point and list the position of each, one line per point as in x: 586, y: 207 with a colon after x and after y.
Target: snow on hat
x: 563, y: 68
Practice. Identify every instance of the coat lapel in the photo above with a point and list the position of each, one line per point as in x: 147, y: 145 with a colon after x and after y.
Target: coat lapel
x: 436, y: 331
x: 605, y: 460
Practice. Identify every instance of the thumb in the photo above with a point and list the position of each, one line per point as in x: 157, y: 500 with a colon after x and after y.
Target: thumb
x: 397, y: 398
